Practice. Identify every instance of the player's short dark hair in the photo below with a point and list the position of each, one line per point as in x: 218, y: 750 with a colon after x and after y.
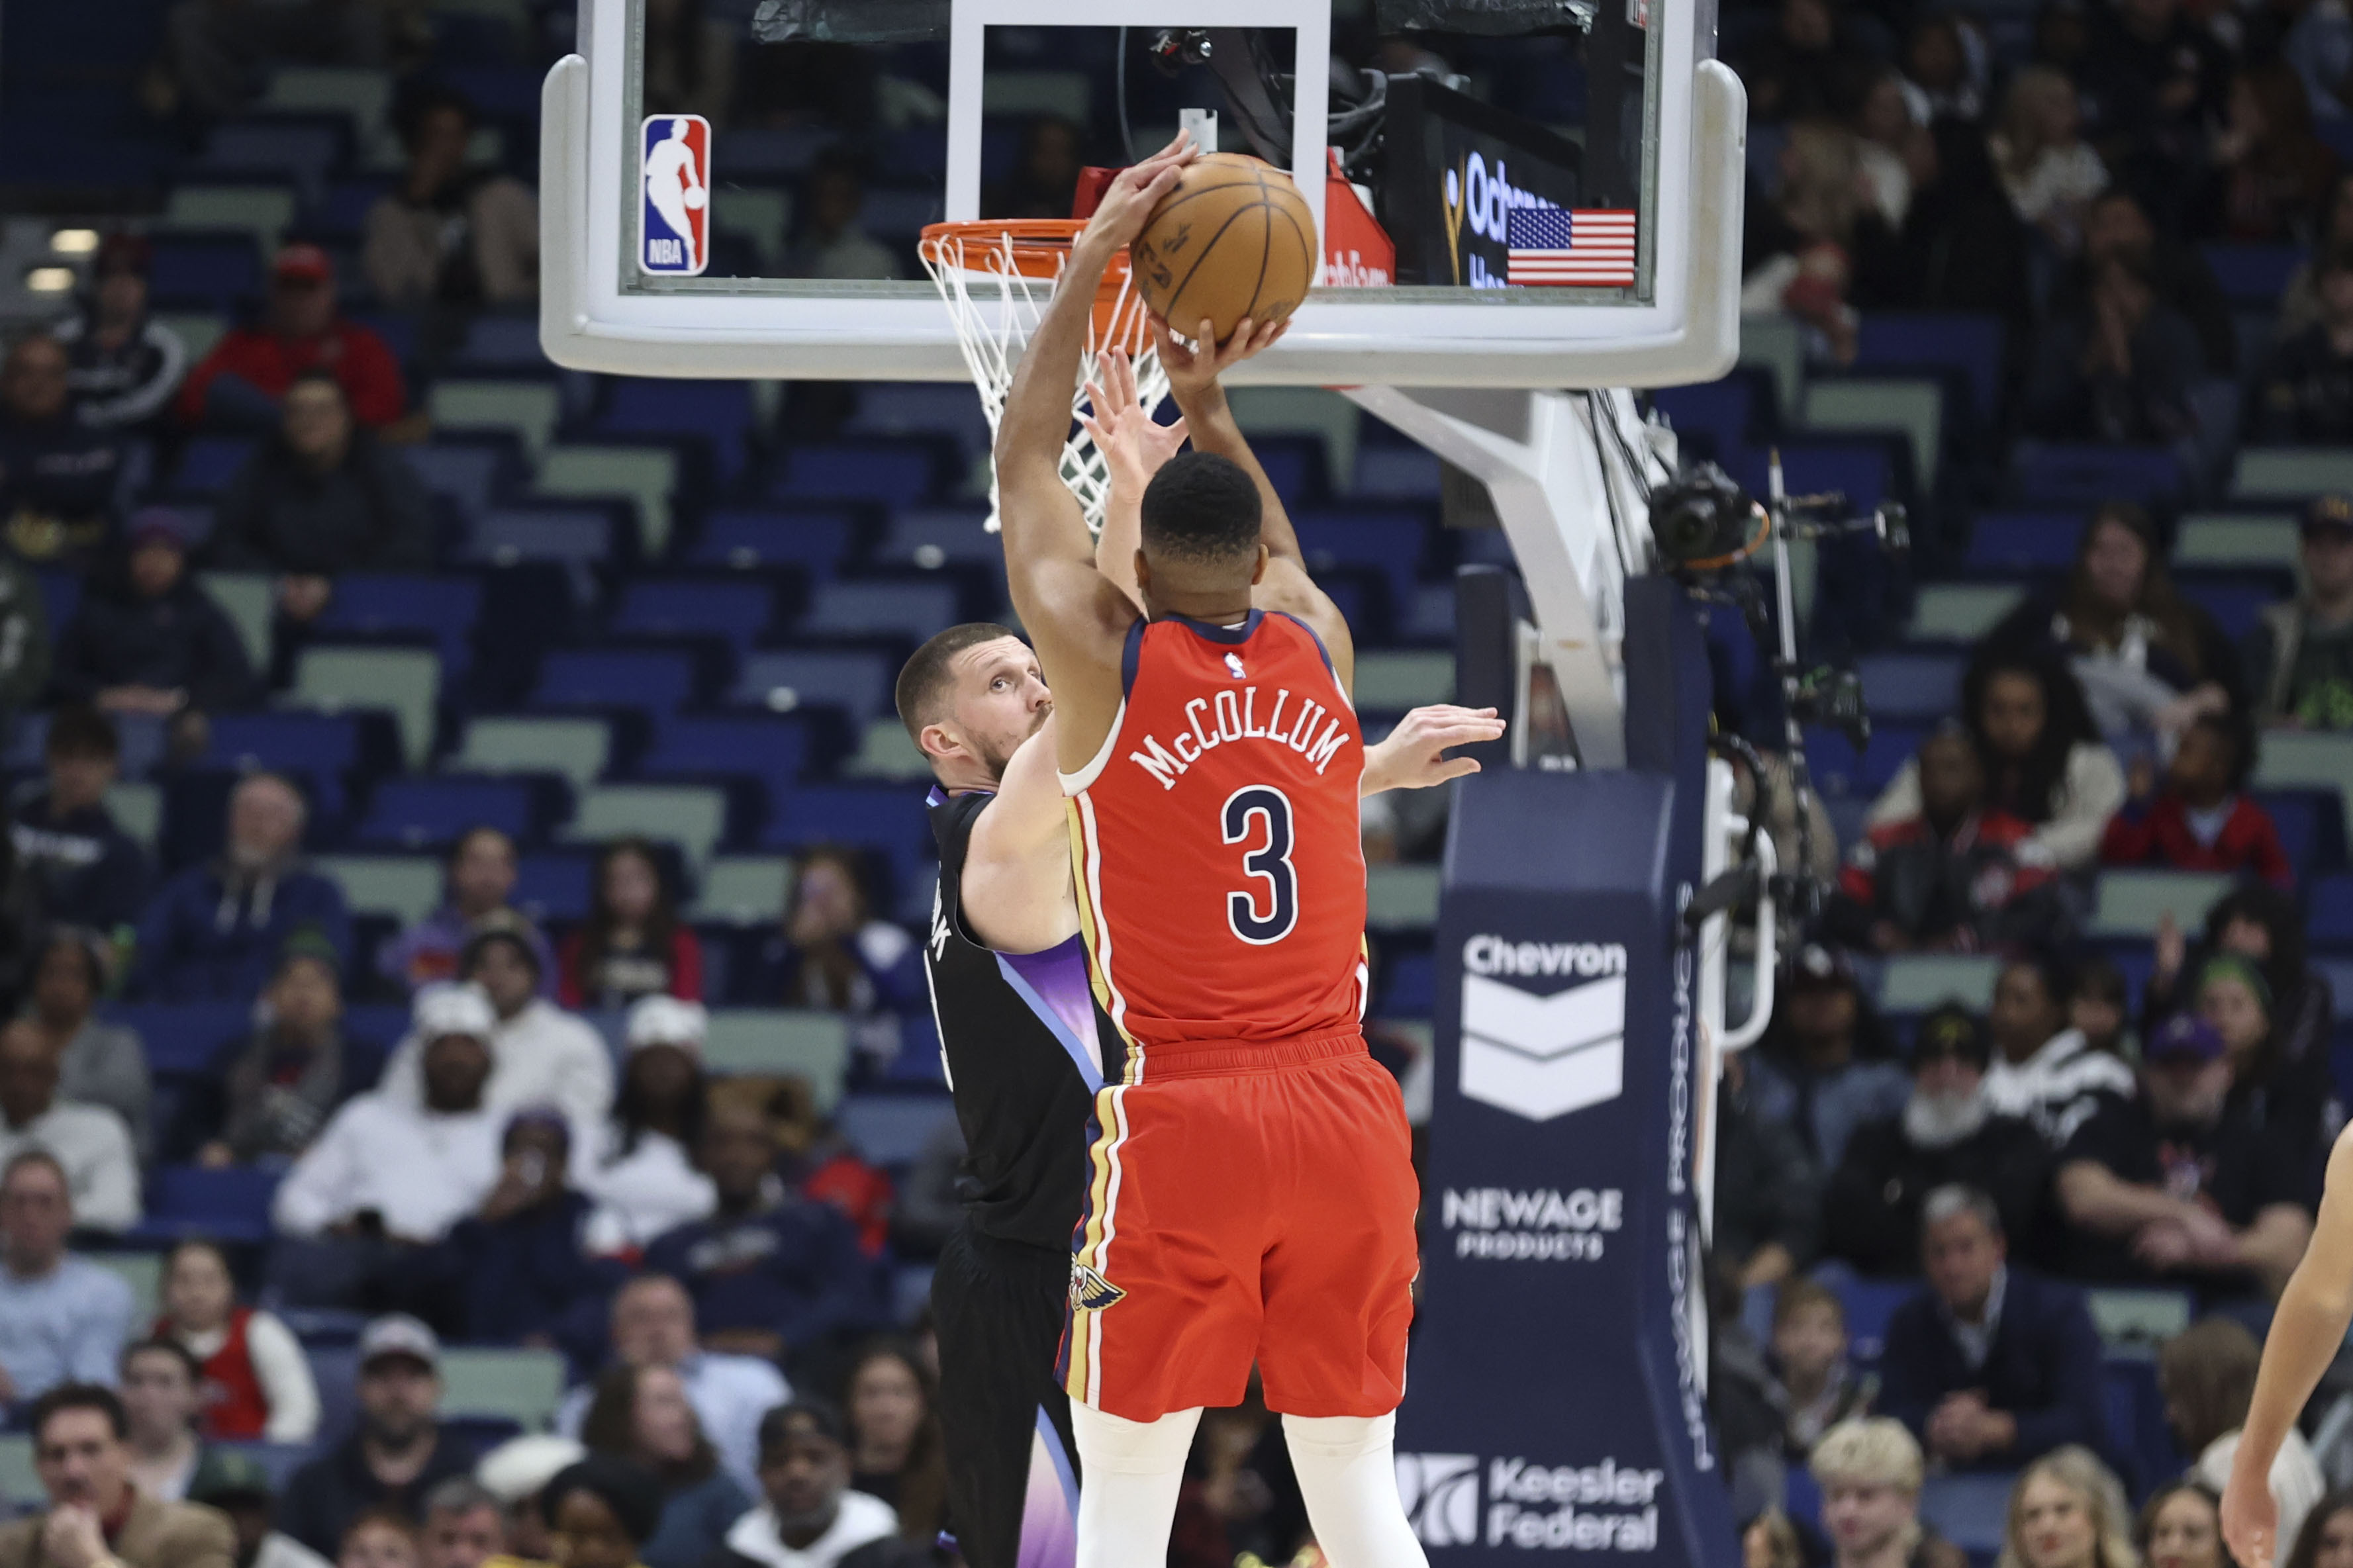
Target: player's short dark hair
x: 821, y: 1416
x: 1201, y: 507
x: 81, y: 731
x: 78, y: 1396
x: 923, y: 681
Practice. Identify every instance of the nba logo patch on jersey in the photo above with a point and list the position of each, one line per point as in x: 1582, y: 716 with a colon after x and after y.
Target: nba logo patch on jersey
x: 1090, y: 1292
x: 676, y: 225
x: 1234, y: 666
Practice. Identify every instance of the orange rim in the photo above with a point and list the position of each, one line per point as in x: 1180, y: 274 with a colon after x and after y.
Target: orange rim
x: 1038, y: 248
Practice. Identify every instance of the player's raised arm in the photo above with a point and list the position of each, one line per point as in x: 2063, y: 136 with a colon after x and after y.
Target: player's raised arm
x: 1076, y: 619
x: 1133, y: 448
x: 2306, y: 1333
x: 1193, y: 382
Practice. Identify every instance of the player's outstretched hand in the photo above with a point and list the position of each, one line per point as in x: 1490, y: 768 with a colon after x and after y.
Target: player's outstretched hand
x: 1132, y: 443
x: 1129, y: 199
x: 1194, y: 365
x: 2250, y: 1519
x: 1413, y: 756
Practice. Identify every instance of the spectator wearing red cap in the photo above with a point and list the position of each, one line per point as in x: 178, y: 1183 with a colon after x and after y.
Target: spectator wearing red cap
x: 121, y: 364
x: 450, y: 233
x: 62, y: 483
x: 239, y: 384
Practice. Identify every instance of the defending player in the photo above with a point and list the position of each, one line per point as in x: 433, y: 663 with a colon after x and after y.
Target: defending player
x: 1250, y: 1196
x: 1022, y: 1035
x: 2306, y: 1333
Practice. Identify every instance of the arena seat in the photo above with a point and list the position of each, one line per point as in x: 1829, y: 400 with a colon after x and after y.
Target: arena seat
x: 644, y: 477
x: 264, y: 211
x: 2236, y: 539
x: 576, y: 748
x: 207, y: 463
x: 2130, y: 903
x: 1911, y: 686
x: 1917, y: 982
x: 680, y: 607
x: 718, y: 414
x: 1392, y: 543
x: 815, y: 540
x: 894, y: 474
x: 922, y: 408
x: 772, y: 751
x: 2020, y: 542
x: 1400, y: 896
x: 656, y: 681
x: 910, y: 610
x: 2291, y: 473
x: 778, y: 1040
x: 1968, y: 342
x: 1388, y: 473
x: 469, y: 471
x: 1838, y: 769
x: 446, y: 609
x: 857, y: 683
x: 692, y: 819
x: 416, y: 812
x: 520, y: 1386
x: 891, y: 1130
x: 404, y: 682
x: 2254, y: 274
x: 930, y: 537
x: 231, y: 1203
x: 555, y: 885
x: 527, y: 409
x: 1960, y: 612
x: 2053, y: 473
x: 405, y: 887
x: 1914, y: 409
x: 743, y: 889
x: 1390, y: 681
x: 216, y: 272
x: 885, y: 751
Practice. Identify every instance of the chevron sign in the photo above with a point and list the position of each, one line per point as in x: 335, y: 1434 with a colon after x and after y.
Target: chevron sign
x: 1542, y: 1057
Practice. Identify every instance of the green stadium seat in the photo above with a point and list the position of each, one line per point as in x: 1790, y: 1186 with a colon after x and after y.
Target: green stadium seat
x: 2306, y: 760
x: 365, y: 96
x: 263, y: 211
x: 20, y: 1484
x: 887, y: 751
x: 1910, y: 408
x: 527, y: 409
x: 2137, y: 1321
x: 1777, y: 343
x: 760, y: 215
x: 1914, y: 983
x: 1392, y: 682
x: 405, y: 887
x: 2130, y: 903
x: 249, y: 599
x: 1401, y: 897
x: 2291, y: 473
x: 645, y: 475
x: 744, y: 890
x: 406, y: 681
x: 777, y: 1040
x: 199, y: 330
x: 692, y: 819
x: 1961, y: 612
x: 577, y: 749
x: 143, y: 1271
x: 2233, y: 539
x: 520, y: 1386
x: 1304, y: 411
x: 138, y: 810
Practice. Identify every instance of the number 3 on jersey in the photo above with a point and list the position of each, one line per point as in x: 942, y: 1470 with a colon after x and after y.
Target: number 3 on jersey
x: 1266, y: 911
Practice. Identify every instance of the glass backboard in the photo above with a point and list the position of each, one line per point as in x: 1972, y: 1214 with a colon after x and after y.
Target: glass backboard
x: 1516, y: 193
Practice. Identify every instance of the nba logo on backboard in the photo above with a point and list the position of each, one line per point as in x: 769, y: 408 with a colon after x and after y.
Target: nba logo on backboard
x: 676, y: 227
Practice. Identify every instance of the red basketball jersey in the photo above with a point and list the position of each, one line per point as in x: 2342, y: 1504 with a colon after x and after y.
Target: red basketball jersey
x: 1216, y: 837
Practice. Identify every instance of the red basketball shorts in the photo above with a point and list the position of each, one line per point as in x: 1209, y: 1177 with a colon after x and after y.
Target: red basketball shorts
x: 1246, y: 1204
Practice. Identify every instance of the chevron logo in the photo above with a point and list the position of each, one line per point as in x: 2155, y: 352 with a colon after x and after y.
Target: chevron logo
x: 1542, y: 1057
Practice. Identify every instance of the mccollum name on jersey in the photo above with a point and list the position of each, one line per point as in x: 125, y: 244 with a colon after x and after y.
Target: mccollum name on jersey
x: 1235, y: 716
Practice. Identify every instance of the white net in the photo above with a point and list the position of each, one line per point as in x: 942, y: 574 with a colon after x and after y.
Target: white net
x: 996, y: 307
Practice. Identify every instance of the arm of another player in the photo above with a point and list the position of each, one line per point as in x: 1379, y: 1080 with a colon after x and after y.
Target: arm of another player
x: 1076, y: 618
x: 2306, y: 1334
x: 1133, y: 448
x: 1193, y: 381
x: 1016, y: 892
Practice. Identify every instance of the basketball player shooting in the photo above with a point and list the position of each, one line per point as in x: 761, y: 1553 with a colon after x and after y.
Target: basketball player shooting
x: 2306, y: 1333
x: 1251, y: 1197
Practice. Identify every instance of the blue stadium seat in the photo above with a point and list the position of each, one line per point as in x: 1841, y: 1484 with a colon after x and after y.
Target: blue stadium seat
x: 2067, y: 474
x: 930, y: 537
x: 857, y: 683
x: 1911, y: 686
x: 1971, y: 1510
x: 719, y: 412
x: 182, y: 1037
x: 891, y: 1128
x: 904, y: 609
x: 2235, y: 600
x: 1389, y: 542
x: 2304, y: 818
x: 2329, y: 923
x: 1838, y: 771
x: 495, y: 341
x: 891, y: 822
x: 323, y: 747
x: 554, y: 886
x: 815, y: 541
x: 1395, y: 473
x: 771, y: 750
x: 497, y: 91
x: 577, y: 537
x: 1868, y: 1305
x: 411, y: 813
x: 470, y: 472
x: 922, y: 408
x: 60, y: 597
x: 444, y: 609
x: 1856, y: 469
x: 737, y: 611
x: 298, y: 151
x: 340, y: 215
x: 215, y: 271
x: 2023, y: 541
x: 656, y: 680
x: 894, y: 475
x: 1971, y: 344
x: 2254, y: 274
x: 231, y: 1203
x: 208, y: 463
x: 1723, y: 411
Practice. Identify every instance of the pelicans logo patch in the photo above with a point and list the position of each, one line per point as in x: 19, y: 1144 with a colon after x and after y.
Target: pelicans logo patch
x: 1090, y: 1292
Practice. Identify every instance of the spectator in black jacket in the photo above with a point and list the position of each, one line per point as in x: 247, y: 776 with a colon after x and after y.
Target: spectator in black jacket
x: 90, y: 872
x: 122, y: 365
x: 1947, y: 1135
x: 1991, y: 1366
x: 2179, y: 1186
x: 62, y: 482
x: 2303, y: 397
x: 2117, y: 370
x: 269, y: 1095
x: 2118, y: 225
x: 1768, y: 1191
x: 519, y: 1256
x: 400, y: 1451
x: 2153, y: 81
x: 149, y: 640
x: 320, y: 497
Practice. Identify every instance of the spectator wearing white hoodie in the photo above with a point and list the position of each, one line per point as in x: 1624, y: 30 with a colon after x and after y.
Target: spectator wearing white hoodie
x: 88, y: 1142
x: 539, y: 1054
x: 639, y: 1165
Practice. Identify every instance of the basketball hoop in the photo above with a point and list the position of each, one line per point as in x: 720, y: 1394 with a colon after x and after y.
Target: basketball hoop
x: 996, y: 278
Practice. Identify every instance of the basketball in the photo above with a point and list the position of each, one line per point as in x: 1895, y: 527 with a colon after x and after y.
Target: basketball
x: 1235, y: 239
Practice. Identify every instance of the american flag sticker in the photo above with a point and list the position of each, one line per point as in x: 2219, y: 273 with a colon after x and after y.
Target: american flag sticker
x: 1561, y: 247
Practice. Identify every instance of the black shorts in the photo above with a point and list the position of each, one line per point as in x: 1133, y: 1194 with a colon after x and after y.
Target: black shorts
x: 998, y: 1309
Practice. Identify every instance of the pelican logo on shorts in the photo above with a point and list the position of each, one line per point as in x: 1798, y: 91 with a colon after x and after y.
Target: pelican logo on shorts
x: 1542, y: 1055
x: 675, y: 228
x: 1090, y: 1292
x: 1440, y: 1492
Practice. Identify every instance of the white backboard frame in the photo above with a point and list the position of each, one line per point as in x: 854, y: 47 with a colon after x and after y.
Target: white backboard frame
x: 592, y: 319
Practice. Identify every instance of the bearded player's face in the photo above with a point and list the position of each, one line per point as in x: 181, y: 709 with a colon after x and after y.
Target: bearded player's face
x: 1001, y: 699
